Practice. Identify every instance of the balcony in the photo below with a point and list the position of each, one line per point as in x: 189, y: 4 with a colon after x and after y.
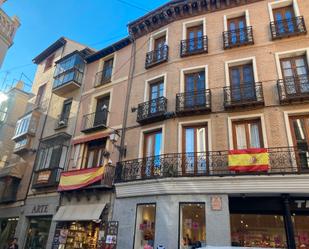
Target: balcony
x: 152, y: 111
x: 191, y: 103
x: 107, y: 179
x: 61, y: 122
x: 293, y: 89
x: 10, y: 187
x: 238, y: 37
x: 282, y: 161
x: 288, y: 28
x: 156, y: 57
x: 45, y: 178
x: 194, y: 46
x: 94, y: 121
x: 248, y: 95
x: 67, y: 81
x: 101, y: 79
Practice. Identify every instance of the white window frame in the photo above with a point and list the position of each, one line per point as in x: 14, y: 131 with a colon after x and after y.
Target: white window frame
x: 287, y: 54
x: 234, y: 15
x: 21, y: 122
x: 239, y: 62
x: 192, y: 70
x: 246, y: 117
x: 150, y: 81
x: 102, y: 62
x: 193, y: 23
x: 157, y: 35
x: 142, y: 138
x: 280, y: 4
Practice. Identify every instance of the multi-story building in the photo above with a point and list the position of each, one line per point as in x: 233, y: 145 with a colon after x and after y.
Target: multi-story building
x: 217, y: 127
x: 42, y: 138
x: 8, y: 28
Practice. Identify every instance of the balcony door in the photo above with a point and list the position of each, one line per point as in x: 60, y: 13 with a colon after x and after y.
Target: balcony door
x: 159, y: 47
x: 101, y: 111
x: 237, y: 31
x: 152, y: 152
x: 247, y: 134
x: 95, y: 153
x: 295, y: 72
x: 194, y: 149
x: 242, y: 83
x: 284, y: 18
x: 156, y: 91
x: 195, y: 89
x: 300, y: 134
x: 195, y: 38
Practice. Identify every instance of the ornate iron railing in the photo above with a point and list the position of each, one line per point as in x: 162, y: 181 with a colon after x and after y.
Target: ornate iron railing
x: 193, y: 101
x: 152, y: 110
x: 101, y: 79
x: 156, y: 57
x: 93, y: 121
x: 44, y: 178
x: 288, y: 27
x: 238, y: 37
x: 247, y: 94
x: 215, y: 163
x: 194, y: 46
x: 107, y: 179
x: 293, y: 88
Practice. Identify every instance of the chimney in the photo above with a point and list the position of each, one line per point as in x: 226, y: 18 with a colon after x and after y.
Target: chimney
x: 20, y: 85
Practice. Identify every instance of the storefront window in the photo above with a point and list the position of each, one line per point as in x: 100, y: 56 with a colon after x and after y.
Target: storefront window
x: 38, y: 232
x: 256, y: 230
x: 7, y: 231
x: 301, y: 228
x: 145, y: 226
x: 192, y: 225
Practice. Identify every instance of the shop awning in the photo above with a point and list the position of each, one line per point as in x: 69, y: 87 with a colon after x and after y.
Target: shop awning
x: 14, y: 170
x: 79, y: 212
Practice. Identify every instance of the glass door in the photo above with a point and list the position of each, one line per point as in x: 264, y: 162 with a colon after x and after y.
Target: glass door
x: 237, y: 30
x: 195, y: 38
x: 195, y: 89
x: 295, y: 73
x: 284, y: 18
x: 156, y: 91
x: 242, y: 83
x: 194, y: 149
x: 300, y: 134
x: 159, y: 47
x: 101, y: 111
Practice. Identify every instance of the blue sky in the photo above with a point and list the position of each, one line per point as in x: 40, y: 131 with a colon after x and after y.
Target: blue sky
x: 96, y: 23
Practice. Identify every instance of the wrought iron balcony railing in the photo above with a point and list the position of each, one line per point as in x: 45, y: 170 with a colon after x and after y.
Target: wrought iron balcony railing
x: 156, y: 57
x: 45, y: 178
x: 101, y: 79
x: 249, y: 94
x: 61, y: 122
x: 238, y: 37
x: 194, y: 46
x: 288, y: 27
x: 95, y: 121
x: 293, y: 89
x: 151, y: 111
x: 107, y: 179
x: 193, y: 102
x: 281, y: 161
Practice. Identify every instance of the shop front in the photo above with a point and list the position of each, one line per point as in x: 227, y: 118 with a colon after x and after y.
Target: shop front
x: 270, y: 222
x: 7, y: 231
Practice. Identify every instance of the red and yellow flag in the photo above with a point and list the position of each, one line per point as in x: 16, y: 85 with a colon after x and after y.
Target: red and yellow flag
x: 77, y: 179
x: 249, y: 160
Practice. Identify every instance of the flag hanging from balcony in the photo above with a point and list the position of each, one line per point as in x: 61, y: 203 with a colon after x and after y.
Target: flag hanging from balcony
x: 77, y: 179
x: 248, y: 160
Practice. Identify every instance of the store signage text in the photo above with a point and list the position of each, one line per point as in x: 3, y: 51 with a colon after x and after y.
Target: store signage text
x: 40, y: 209
x: 302, y: 203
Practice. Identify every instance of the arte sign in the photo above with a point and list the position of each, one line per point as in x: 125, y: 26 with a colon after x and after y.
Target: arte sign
x: 40, y: 209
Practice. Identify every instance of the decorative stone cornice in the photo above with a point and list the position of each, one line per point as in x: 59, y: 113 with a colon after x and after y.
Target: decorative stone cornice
x: 8, y: 27
x: 179, y: 9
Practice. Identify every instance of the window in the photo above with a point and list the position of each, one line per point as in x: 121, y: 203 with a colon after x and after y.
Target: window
x: 160, y: 47
x: 192, y: 225
x: 152, y: 152
x: 145, y: 225
x: 22, y: 125
x: 95, y: 153
x: 107, y: 71
x: 64, y: 116
x: 49, y: 62
x: 101, y: 112
x: 194, y: 147
x: 237, y: 30
x: 40, y: 95
x: 300, y: 134
x: 195, y: 37
x: 3, y: 111
x: 242, y: 82
x: 247, y: 134
x: 70, y: 69
x: 156, y: 91
x: 284, y: 18
x: 296, y: 74
x: 194, y: 86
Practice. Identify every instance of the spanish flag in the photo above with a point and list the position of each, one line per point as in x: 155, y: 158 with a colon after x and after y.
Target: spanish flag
x: 77, y: 179
x: 248, y: 160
